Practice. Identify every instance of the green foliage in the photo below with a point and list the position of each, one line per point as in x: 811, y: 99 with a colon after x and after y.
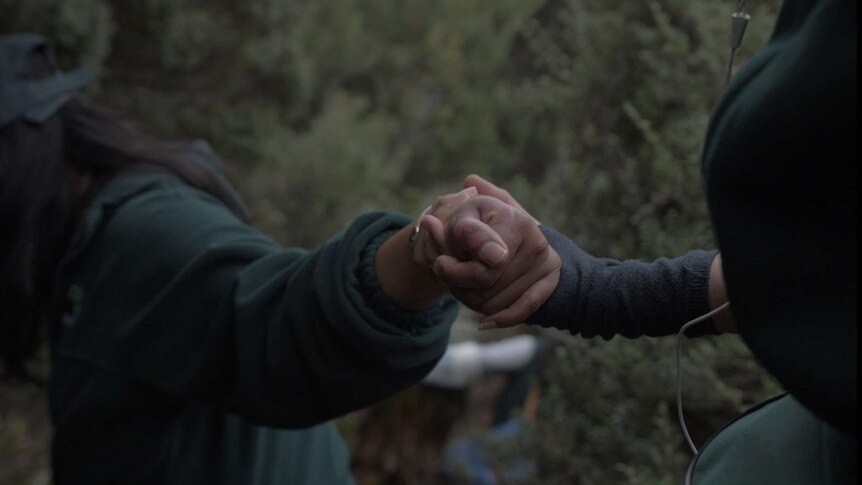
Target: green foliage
x: 80, y: 29
x: 592, y: 112
x: 340, y: 166
x: 609, y: 409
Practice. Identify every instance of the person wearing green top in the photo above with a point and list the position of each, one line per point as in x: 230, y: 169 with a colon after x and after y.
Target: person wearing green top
x: 186, y: 346
x: 780, y: 170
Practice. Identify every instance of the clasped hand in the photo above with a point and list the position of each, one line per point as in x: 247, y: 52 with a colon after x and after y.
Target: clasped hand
x: 489, y: 252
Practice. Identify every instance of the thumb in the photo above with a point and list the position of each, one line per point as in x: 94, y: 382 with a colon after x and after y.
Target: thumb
x: 471, y: 238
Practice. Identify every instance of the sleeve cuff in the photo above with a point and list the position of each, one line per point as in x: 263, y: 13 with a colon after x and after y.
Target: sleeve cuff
x: 381, y: 305
x: 558, y: 310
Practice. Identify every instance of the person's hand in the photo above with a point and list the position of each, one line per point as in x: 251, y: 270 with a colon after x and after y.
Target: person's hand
x: 485, y: 187
x: 494, y: 258
x: 426, y: 249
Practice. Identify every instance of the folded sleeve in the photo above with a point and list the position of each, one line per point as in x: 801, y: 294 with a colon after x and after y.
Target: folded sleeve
x: 605, y: 297
x: 181, y: 296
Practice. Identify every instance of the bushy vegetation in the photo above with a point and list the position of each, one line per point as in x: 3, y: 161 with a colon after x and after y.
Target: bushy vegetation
x: 592, y: 112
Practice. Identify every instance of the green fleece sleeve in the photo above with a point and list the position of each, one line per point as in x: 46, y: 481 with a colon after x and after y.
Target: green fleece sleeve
x: 181, y: 296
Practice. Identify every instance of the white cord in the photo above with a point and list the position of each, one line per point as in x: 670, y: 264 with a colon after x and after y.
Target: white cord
x: 679, y: 369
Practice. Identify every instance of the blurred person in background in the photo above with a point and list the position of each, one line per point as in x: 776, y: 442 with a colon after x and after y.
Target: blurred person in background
x: 186, y: 347
x: 780, y: 168
x: 520, y: 360
x: 479, y: 393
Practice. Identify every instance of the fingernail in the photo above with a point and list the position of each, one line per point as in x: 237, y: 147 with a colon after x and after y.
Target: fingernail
x: 492, y: 252
x: 465, y: 195
x: 487, y: 325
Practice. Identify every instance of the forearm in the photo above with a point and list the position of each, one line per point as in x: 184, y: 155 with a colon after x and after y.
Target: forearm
x: 630, y: 298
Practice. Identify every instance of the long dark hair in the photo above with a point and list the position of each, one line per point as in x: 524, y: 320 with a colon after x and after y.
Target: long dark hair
x: 48, y: 173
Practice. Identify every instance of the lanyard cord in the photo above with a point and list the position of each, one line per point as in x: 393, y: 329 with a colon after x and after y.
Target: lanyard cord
x: 679, y: 369
x: 566, y: 340
x: 738, y: 21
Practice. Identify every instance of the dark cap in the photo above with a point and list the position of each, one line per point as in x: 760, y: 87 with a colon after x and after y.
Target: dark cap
x: 35, y: 100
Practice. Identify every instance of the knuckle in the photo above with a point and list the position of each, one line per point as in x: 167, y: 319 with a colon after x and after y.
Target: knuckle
x: 464, y: 231
x: 511, y: 213
x: 456, y: 225
x: 552, y: 263
x: 525, y: 220
x: 538, y: 246
x: 555, y: 262
x: 533, y: 303
x: 542, y: 241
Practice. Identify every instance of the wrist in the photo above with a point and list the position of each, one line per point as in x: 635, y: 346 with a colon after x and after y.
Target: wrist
x: 723, y: 321
x: 406, y: 283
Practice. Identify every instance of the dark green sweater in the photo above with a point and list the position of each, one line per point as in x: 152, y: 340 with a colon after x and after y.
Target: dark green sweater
x: 780, y: 169
x: 195, y: 350
x: 781, y: 172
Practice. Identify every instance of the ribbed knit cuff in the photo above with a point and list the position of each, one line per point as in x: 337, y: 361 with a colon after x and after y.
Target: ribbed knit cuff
x: 380, y: 304
x: 559, y: 309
